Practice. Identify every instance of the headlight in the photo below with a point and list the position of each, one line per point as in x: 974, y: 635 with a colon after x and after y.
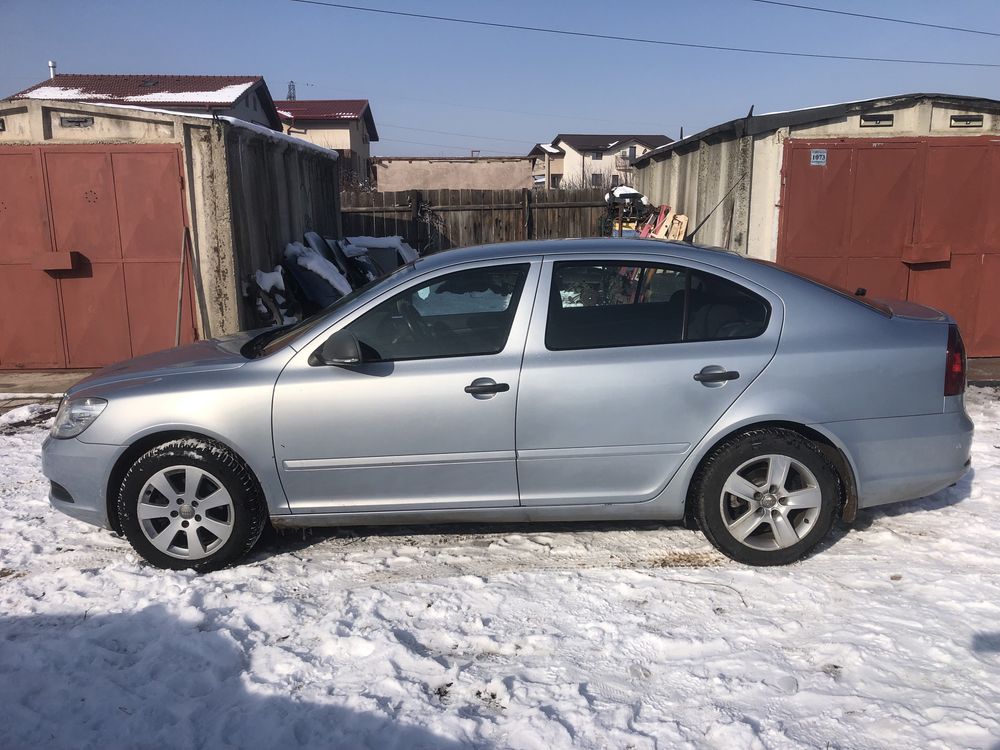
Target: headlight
x: 76, y: 415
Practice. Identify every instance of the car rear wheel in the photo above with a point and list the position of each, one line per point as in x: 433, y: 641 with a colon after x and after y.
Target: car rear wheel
x: 766, y: 497
x: 191, y: 503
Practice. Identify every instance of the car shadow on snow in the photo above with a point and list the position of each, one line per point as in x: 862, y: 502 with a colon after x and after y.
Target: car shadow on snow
x: 147, y: 679
x: 277, y: 542
x: 869, y: 517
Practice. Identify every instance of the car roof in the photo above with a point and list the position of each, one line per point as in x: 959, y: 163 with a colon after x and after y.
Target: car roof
x: 602, y: 245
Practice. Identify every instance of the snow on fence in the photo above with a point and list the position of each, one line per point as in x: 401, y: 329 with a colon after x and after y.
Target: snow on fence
x: 440, y: 219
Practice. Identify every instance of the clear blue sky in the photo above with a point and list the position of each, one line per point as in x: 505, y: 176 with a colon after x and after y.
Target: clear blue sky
x: 511, y: 89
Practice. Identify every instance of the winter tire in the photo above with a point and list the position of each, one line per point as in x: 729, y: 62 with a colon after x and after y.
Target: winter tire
x: 766, y: 497
x: 191, y: 503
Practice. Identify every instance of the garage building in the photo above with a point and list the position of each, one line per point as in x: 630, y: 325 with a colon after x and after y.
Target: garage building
x: 895, y: 195
x: 95, y: 200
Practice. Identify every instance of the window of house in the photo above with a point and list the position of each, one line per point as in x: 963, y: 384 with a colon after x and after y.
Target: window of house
x: 597, y: 155
x: 597, y: 179
x: 608, y: 304
x: 631, y: 152
x: 554, y: 180
x: 614, y: 180
x: 459, y: 314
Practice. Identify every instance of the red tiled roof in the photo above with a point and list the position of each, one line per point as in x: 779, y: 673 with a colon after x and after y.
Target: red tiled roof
x: 322, y: 109
x: 327, y: 110
x: 152, y: 88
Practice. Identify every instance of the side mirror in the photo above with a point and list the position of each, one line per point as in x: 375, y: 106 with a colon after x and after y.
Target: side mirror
x: 341, y: 349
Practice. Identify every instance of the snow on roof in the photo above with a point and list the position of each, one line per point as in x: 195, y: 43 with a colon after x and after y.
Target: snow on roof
x: 274, y: 135
x: 172, y: 89
x: 225, y: 94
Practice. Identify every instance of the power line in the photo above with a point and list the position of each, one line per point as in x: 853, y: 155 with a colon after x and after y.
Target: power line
x: 563, y: 115
x: 521, y: 141
x: 877, y: 18
x: 638, y: 40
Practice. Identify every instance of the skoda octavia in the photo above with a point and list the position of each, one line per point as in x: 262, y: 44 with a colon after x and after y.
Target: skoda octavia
x: 542, y: 381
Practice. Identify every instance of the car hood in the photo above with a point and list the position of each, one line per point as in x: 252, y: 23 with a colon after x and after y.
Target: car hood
x: 203, y: 356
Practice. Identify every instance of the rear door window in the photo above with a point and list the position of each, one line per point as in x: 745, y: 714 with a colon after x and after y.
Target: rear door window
x: 594, y: 305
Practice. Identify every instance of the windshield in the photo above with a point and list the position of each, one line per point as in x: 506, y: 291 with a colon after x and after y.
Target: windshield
x: 277, y: 338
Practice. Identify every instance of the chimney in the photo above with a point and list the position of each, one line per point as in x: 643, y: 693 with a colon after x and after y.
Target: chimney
x: 52, y: 68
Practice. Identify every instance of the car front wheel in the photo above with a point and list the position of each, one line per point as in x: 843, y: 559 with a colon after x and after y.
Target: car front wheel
x: 766, y: 497
x: 191, y: 503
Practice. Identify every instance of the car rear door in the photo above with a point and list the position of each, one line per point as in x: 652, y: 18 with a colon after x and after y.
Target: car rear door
x: 427, y: 420
x: 628, y: 363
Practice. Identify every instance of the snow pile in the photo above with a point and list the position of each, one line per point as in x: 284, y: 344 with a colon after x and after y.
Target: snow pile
x: 544, y: 636
x: 308, y: 258
x: 270, y: 281
x: 626, y: 193
x: 406, y: 253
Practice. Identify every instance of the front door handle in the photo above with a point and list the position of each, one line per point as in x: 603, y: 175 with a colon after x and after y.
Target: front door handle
x: 715, y: 374
x: 486, y: 388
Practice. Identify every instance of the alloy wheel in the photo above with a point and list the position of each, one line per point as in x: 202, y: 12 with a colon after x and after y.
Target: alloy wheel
x: 185, y: 512
x: 771, y: 502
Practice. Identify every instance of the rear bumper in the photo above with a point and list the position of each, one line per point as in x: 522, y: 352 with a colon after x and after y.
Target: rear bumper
x: 903, y: 458
x: 81, y: 471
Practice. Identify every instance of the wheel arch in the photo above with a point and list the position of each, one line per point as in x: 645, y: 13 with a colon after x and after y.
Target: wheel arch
x: 144, y: 444
x: 828, y: 445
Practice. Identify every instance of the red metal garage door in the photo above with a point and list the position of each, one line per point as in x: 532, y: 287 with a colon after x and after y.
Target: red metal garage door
x: 904, y: 218
x: 116, y: 213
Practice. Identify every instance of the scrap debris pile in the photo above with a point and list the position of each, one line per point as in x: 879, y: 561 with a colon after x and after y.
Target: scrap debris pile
x: 630, y: 214
x: 318, y: 271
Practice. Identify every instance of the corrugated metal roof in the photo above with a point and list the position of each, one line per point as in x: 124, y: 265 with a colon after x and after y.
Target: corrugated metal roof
x: 764, y: 123
x: 603, y: 142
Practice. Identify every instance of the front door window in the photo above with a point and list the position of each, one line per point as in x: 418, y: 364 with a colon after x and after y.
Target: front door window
x: 460, y: 314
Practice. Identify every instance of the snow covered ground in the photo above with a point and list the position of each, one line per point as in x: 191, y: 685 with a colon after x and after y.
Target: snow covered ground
x: 518, y: 637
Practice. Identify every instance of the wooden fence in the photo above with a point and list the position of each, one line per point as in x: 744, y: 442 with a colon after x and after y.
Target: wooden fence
x: 432, y: 220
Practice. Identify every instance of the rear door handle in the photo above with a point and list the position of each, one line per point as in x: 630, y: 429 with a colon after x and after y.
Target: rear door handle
x: 486, y: 387
x: 715, y: 374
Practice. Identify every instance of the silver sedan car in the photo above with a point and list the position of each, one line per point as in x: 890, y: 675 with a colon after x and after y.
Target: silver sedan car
x: 540, y: 381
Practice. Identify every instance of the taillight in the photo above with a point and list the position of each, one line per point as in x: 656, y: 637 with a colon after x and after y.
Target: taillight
x: 954, y: 369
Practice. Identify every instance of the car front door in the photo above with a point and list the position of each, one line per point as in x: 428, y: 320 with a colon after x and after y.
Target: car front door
x: 426, y: 420
x: 628, y: 364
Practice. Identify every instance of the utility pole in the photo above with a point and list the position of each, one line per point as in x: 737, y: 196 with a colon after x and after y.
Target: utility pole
x: 291, y: 91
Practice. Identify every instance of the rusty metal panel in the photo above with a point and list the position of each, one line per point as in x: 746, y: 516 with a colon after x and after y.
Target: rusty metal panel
x: 957, y: 197
x: 816, y: 201
x: 82, y: 196
x: 882, y: 277
x: 152, y: 305
x: 884, y: 199
x: 30, y: 326
x: 24, y: 220
x: 952, y: 287
x: 984, y: 339
x: 96, y: 318
x: 150, y: 208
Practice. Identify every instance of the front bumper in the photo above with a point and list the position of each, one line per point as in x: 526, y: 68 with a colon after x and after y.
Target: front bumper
x: 81, y: 471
